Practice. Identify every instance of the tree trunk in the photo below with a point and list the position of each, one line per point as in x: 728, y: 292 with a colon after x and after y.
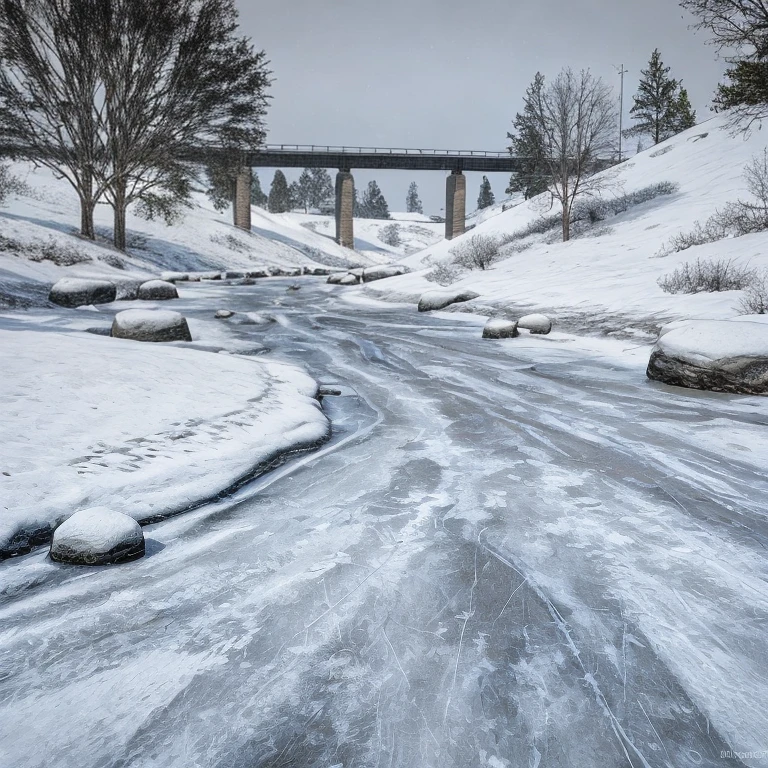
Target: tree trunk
x: 566, y: 223
x: 119, y: 205
x: 87, y: 206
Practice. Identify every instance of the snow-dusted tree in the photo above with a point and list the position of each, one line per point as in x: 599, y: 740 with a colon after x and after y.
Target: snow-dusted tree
x: 320, y: 187
x: 486, y: 197
x: 258, y: 198
x: 412, y: 201
x: 301, y: 190
x: 684, y: 115
x: 576, y: 117
x: 374, y: 205
x: 279, y: 200
x: 49, y: 81
x: 656, y: 102
x: 527, y: 146
x: 738, y: 27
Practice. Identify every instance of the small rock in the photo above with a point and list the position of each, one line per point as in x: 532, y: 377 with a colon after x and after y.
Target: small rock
x: 97, y: 536
x: 336, y: 277
x: 157, y: 290
x: 222, y: 314
x: 150, y: 325
x: 539, y: 324
x: 77, y: 292
x: 294, y: 287
x: 500, y: 328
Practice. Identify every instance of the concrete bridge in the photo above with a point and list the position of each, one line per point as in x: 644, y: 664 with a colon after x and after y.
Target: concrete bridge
x: 346, y: 159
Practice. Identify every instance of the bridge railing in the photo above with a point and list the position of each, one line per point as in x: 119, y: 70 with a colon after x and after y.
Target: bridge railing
x: 381, y: 150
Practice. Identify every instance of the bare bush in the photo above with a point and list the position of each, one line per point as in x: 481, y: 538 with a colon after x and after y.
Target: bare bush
x: 755, y: 299
x: 231, y: 242
x: 477, y: 252
x: 444, y: 273
x: 61, y: 254
x: 113, y: 260
x: 390, y: 235
x: 11, y: 184
x: 708, y: 276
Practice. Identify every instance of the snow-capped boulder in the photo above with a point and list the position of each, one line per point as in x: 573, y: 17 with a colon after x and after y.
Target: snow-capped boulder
x: 223, y: 314
x: 336, y: 277
x: 718, y: 355
x: 317, y: 271
x: 97, y: 536
x: 174, y: 277
x: 500, y: 328
x: 258, y: 273
x: 207, y: 275
x: 382, y: 272
x: 232, y: 275
x: 157, y: 290
x: 349, y: 279
x: 432, y: 300
x: 150, y: 325
x: 78, y: 292
x: 539, y: 324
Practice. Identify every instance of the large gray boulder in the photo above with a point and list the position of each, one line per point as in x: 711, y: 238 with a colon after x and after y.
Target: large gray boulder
x: 174, y: 277
x: 150, y: 325
x: 349, y: 279
x: 97, y: 536
x: 157, y: 290
x: 538, y: 324
x: 382, y: 272
x: 336, y: 277
x: 718, y: 355
x: 433, y: 300
x: 500, y: 328
x: 78, y: 292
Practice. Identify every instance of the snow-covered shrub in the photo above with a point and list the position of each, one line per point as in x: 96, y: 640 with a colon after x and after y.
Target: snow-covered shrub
x: 477, y: 252
x: 707, y: 276
x: 755, y: 299
x: 10, y: 184
x: 444, y: 273
x: 113, y: 260
x: 390, y: 235
x: 231, y: 242
x: 61, y: 254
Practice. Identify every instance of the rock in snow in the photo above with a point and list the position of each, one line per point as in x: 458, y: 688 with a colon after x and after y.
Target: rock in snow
x: 158, y: 290
x: 336, y: 277
x: 150, y: 325
x: 97, y: 536
x: 718, y: 355
x: 500, y: 328
x: 535, y: 324
x: 174, y: 277
x: 223, y: 314
x: 349, y: 279
x: 76, y: 292
x: 380, y: 273
x: 433, y: 300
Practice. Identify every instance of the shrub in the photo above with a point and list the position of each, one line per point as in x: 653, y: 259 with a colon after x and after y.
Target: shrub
x: 755, y: 299
x: 444, y: 273
x: 390, y: 235
x: 61, y: 254
x: 113, y: 260
x: 10, y: 184
x: 477, y: 252
x: 707, y: 276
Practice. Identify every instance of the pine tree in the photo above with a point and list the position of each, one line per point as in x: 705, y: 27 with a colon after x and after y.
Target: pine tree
x: 656, y: 102
x: 258, y: 198
x: 374, y: 205
x: 279, y: 200
x: 747, y: 90
x: 684, y: 115
x: 412, y: 201
x: 301, y: 190
x: 528, y: 147
x: 320, y: 187
x: 486, y: 197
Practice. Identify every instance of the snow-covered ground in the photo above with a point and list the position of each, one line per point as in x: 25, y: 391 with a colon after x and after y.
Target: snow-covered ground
x: 613, y: 269
x: 145, y: 429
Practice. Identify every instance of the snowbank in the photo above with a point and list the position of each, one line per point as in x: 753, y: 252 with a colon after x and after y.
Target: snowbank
x: 141, y: 429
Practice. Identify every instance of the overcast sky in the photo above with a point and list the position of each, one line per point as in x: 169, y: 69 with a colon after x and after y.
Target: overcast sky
x: 443, y: 74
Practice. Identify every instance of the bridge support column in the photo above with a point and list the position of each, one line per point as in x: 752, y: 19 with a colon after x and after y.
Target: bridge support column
x: 242, y: 201
x: 455, y: 204
x: 345, y: 206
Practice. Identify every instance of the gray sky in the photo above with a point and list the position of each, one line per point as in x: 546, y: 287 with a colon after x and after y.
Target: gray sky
x: 443, y: 74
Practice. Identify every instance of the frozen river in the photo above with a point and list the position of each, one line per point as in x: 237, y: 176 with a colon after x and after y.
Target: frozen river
x: 515, y: 553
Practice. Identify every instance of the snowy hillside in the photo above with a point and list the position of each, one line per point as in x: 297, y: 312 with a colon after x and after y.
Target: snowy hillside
x: 611, y: 269
x: 40, y: 244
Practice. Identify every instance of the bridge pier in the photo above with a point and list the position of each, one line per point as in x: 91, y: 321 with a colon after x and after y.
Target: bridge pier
x: 242, y: 201
x: 345, y: 208
x: 455, y: 204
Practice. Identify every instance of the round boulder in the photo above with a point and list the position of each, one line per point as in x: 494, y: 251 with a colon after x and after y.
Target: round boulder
x: 539, y: 324
x: 157, y: 290
x: 150, y: 325
x: 434, y: 300
x: 223, y: 314
x: 336, y: 277
x: 349, y: 279
x: 97, y: 536
x: 500, y: 328
x: 77, y: 292
x: 174, y: 277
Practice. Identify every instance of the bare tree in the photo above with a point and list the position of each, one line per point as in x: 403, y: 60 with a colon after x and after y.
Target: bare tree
x: 49, y: 83
x: 576, y: 117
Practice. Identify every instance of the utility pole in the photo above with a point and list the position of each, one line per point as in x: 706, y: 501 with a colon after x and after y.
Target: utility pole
x: 622, y: 72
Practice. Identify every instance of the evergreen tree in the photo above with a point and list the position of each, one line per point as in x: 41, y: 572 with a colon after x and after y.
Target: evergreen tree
x: 684, y: 116
x: 358, y: 211
x: 528, y: 147
x: 258, y: 198
x: 279, y: 200
x: 320, y: 187
x: 374, y: 205
x: 486, y: 197
x: 656, y: 102
x: 301, y: 190
x: 747, y: 89
x: 412, y: 201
